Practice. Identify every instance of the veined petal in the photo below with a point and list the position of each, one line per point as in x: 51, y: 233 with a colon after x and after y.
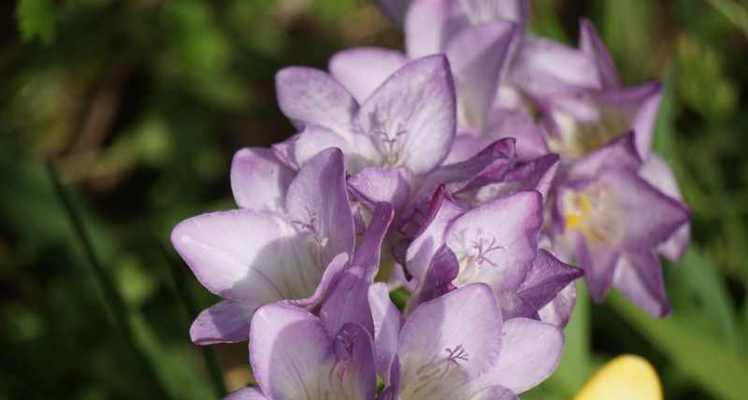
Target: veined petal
x: 442, y: 212
x: 531, y: 351
x: 308, y: 96
x: 593, y: 46
x: 447, y: 340
x: 429, y: 25
x: 374, y: 185
x: 361, y: 70
x: 387, y: 321
x: 543, y: 67
x: 546, y: 279
x: 248, y: 256
x: 247, y: 393
x: 259, y: 180
x: 293, y: 357
x: 317, y: 203
x: 411, y: 117
x: 639, y: 277
x: 495, y: 393
x: 498, y: 254
x: 650, y: 217
x: 477, y: 55
x: 225, y: 322
x: 656, y: 171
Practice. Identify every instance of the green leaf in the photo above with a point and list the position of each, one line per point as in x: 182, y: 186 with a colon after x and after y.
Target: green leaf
x: 36, y: 19
x: 704, y: 359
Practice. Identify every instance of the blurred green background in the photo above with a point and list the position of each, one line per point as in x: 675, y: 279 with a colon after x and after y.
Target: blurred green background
x: 140, y: 104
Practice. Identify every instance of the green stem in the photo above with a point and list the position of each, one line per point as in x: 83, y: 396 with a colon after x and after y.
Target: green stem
x: 112, y: 297
x: 191, y: 309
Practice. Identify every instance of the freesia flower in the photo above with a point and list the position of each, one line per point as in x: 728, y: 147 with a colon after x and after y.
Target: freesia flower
x: 495, y: 243
x: 278, y: 246
x: 613, y: 222
x: 295, y: 355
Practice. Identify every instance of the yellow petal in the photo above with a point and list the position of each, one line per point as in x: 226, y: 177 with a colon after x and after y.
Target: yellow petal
x: 624, y: 378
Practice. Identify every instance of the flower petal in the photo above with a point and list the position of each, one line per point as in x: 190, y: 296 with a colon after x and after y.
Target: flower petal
x: 369, y: 251
x: 531, y: 351
x: 361, y: 70
x: 248, y: 256
x: 308, y: 96
x: 545, y: 280
x: 259, y: 180
x: 348, y: 302
x: 639, y: 105
x: 479, y: 11
x: 374, y: 185
x: 619, y: 153
x: 593, y: 46
x: 639, y: 277
x: 387, y: 321
x: 411, y: 118
x: 558, y: 312
x: 438, y: 281
x: 429, y: 25
x: 448, y: 339
x: 543, y: 67
x: 294, y: 357
x: 477, y: 55
x: 395, y: 9
x: 323, y: 215
x: 498, y: 254
x: 225, y: 322
x: 656, y: 171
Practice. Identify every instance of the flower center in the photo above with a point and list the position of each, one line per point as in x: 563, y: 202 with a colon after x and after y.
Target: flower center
x: 578, y: 138
x: 475, y: 251
x: 592, y: 212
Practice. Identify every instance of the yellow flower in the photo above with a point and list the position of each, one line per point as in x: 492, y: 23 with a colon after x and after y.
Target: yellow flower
x: 624, y: 378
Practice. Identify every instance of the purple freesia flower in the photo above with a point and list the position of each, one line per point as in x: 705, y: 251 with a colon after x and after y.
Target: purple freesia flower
x: 277, y: 246
x: 613, y: 222
x: 458, y: 247
x: 456, y: 346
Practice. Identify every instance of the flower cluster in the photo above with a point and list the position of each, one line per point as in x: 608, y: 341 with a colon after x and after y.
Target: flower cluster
x: 462, y: 171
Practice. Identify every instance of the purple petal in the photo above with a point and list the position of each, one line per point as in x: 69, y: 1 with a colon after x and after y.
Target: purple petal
x: 640, y: 105
x: 546, y: 279
x: 558, y: 312
x: 593, y: 46
x: 443, y: 270
x: 498, y: 254
x: 308, y: 96
x: 423, y: 248
x: 225, y: 322
x: 395, y: 9
x: 650, y: 217
x: 531, y: 351
x: 329, y: 279
x: 479, y: 11
x: 450, y: 337
x: 293, y: 356
x: 369, y: 251
x: 619, y: 153
x: 348, y: 302
x: 464, y: 147
x: 247, y: 393
x: 375, y: 185
x: 598, y: 262
x: 247, y: 256
x: 529, y: 137
x: 411, y: 118
x: 285, y: 152
x: 656, y: 171
x: 477, y: 55
x: 259, y: 180
x: 314, y: 139
x: 543, y: 67
x: 430, y: 24
x: 495, y: 393
x: 387, y: 323
x: 639, y: 277
x: 323, y: 215
x: 361, y: 70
